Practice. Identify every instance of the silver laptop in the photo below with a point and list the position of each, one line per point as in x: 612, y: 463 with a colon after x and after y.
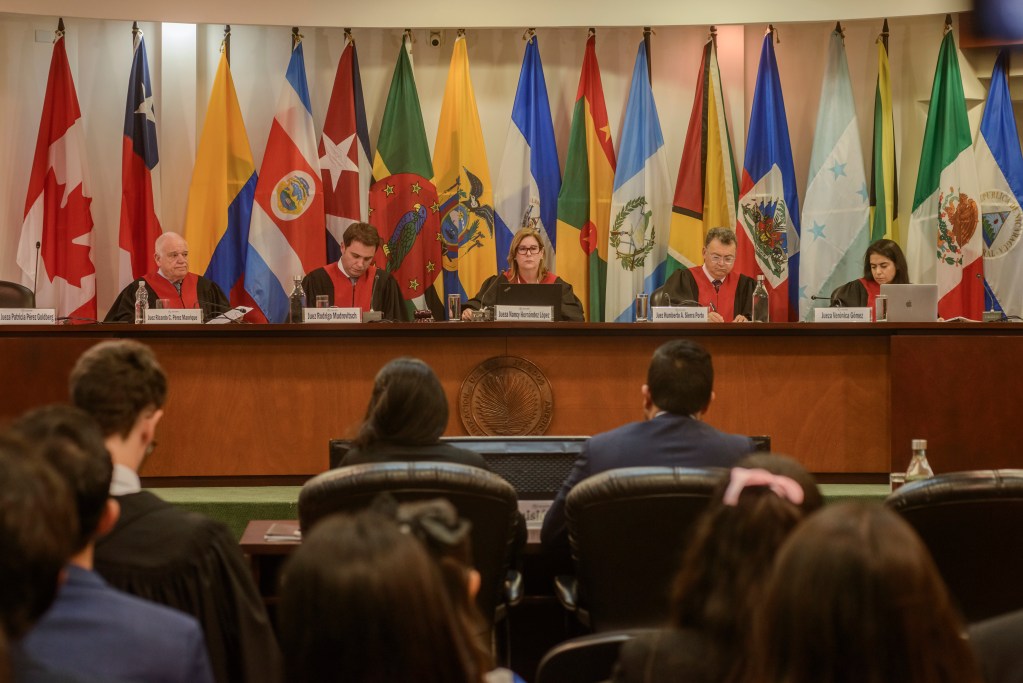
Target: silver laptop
x: 911, y: 303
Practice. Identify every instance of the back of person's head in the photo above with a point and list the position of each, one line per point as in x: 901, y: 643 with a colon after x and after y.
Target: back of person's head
x: 37, y: 534
x: 71, y: 442
x: 681, y: 377
x: 854, y: 597
x: 756, y: 505
x: 115, y: 382
x: 407, y: 407
x: 363, y: 602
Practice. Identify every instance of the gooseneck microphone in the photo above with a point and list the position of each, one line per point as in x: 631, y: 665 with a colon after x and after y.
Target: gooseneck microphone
x: 836, y: 302
x: 35, y: 273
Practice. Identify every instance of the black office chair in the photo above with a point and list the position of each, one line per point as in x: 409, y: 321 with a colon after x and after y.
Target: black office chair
x: 587, y: 659
x: 971, y: 522
x: 13, y: 295
x: 627, y: 529
x: 484, y: 498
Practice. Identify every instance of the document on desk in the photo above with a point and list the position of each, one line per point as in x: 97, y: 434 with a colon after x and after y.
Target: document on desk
x: 283, y: 532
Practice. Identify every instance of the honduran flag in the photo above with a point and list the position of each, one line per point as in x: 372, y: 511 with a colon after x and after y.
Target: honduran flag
x: 529, y: 180
x: 140, y: 224
x: 768, y: 213
x: 345, y: 161
x: 57, y: 230
x: 286, y: 235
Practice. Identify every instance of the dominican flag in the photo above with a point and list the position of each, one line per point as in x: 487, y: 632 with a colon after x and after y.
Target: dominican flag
x: 345, y: 161
x: 140, y: 225
x: 57, y: 206
x: 286, y: 235
x: 1000, y: 171
x: 767, y: 224
x: 529, y: 180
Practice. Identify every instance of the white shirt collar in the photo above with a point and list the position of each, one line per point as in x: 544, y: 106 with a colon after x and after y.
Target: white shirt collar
x: 124, y: 481
x: 711, y: 277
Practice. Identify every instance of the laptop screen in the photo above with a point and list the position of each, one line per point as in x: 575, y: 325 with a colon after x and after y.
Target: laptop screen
x: 911, y: 303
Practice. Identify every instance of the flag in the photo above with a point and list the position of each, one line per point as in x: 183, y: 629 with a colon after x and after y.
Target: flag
x: 56, y: 234
x: 584, y: 203
x: 221, y: 192
x: 286, y: 236
x: 943, y: 242
x: 640, y: 214
x: 884, y: 176
x: 140, y: 225
x: 345, y: 161
x: 403, y: 199
x: 768, y: 213
x: 530, y: 176
x: 835, y: 209
x: 1000, y: 173
x: 706, y: 191
x: 462, y: 178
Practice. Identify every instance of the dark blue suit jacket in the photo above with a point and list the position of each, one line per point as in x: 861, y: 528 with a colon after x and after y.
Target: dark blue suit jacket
x: 97, y: 630
x: 667, y: 440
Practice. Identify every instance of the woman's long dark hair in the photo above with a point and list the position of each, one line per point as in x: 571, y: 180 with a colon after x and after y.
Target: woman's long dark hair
x: 890, y: 250
x: 407, y: 407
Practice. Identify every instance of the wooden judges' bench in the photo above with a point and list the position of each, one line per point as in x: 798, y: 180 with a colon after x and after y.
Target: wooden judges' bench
x: 263, y: 401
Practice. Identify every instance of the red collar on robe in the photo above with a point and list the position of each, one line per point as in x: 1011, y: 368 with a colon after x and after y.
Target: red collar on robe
x: 345, y: 295
x: 873, y: 290
x: 164, y: 288
x: 723, y: 299
x: 548, y: 279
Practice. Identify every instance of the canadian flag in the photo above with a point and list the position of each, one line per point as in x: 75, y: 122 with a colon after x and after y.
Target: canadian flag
x: 56, y: 235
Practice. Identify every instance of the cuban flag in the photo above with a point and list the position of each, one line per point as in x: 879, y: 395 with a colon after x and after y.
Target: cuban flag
x: 286, y: 235
x: 529, y: 179
x: 767, y: 226
x: 140, y: 224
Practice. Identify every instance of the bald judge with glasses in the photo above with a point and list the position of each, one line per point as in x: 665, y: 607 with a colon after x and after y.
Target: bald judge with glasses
x: 728, y: 295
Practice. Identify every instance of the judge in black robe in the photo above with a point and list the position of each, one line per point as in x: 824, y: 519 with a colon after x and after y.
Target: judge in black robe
x: 883, y: 263
x: 385, y: 296
x: 210, y: 298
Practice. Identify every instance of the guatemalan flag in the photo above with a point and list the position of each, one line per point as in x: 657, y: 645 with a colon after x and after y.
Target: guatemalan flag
x: 286, y: 235
x: 140, y: 225
x: 529, y: 179
x: 768, y: 214
x: 641, y: 204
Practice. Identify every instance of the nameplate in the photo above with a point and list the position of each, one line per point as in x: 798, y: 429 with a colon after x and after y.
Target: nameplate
x: 842, y: 315
x: 332, y: 315
x: 28, y: 316
x: 679, y: 314
x: 174, y: 316
x: 524, y: 314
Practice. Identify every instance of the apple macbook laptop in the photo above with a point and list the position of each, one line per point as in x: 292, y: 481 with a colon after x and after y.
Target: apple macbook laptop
x: 530, y: 295
x: 911, y: 303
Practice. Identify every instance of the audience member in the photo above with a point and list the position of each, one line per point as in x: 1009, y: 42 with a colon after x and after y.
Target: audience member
x: 92, y: 627
x: 854, y: 597
x: 158, y: 551
x: 677, y: 395
x: 721, y: 577
x: 362, y: 602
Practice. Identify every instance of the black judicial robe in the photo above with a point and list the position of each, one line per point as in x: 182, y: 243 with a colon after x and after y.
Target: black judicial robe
x: 211, y: 300
x: 571, y: 307
x: 386, y: 295
x: 681, y: 287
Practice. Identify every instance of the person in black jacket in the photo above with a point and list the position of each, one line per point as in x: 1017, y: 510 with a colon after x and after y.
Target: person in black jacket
x: 883, y: 264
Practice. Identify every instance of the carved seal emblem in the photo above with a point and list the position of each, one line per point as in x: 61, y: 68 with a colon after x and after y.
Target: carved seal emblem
x: 506, y: 396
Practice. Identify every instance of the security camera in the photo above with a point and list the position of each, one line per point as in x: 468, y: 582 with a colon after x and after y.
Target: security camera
x: 435, y: 38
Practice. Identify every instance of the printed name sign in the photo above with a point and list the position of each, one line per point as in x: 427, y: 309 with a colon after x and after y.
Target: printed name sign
x: 174, y: 316
x: 679, y: 314
x: 524, y: 314
x: 28, y: 316
x: 842, y: 315
x: 332, y: 315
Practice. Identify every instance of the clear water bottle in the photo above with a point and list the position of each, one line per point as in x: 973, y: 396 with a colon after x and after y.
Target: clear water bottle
x: 141, y: 302
x: 761, y: 305
x: 919, y: 468
x: 297, y: 301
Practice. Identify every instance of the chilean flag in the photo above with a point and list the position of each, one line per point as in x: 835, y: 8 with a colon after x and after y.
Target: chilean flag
x: 57, y: 206
x: 140, y: 225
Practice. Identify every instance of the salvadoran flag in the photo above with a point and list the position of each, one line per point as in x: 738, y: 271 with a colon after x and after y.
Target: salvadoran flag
x: 286, y: 236
x: 529, y: 179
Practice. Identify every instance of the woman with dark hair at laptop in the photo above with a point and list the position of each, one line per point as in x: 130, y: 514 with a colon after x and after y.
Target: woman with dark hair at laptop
x: 883, y: 264
x: 527, y: 264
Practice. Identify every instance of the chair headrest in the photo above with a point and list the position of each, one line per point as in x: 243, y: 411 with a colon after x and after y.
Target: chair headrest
x: 644, y: 482
x: 959, y: 487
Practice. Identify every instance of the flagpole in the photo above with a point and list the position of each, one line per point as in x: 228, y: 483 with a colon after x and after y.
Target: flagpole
x: 884, y: 35
x: 227, y: 43
x: 948, y: 23
x: 60, y: 29
x: 649, y: 60
x: 296, y: 38
x: 714, y: 35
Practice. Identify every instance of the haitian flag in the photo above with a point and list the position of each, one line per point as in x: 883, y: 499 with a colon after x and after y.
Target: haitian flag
x: 286, y: 235
x: 345, y: 165
x: 529, y: 180
x: 140, y: 225
x: 57, y: 206
x: 767, y: 225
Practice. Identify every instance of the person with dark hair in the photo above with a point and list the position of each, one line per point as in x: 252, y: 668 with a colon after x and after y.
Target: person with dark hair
x: 883, y: 264
x: 158, y: 551
x: 354, y: 281
x: 729, y: 295
x: 363, y: 602
x: 527, y: 264
x: 756, y: 505
x: 854, y: 596
x: 676, y: 397
x: 91, y: 627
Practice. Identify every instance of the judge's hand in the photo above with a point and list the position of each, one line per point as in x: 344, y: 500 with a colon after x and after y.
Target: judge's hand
x: 467, y: 313
x: 714, y: 317
x: 741, y: 319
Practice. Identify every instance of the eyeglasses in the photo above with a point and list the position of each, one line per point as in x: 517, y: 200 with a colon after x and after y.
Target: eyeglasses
x: 535, y: 249
x: 717, y: 258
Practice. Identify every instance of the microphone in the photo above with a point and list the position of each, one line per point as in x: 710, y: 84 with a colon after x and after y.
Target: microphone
x: 836, y: 302
x: 35, y: 273
x: 220, y: 309
x: 487, y: 290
